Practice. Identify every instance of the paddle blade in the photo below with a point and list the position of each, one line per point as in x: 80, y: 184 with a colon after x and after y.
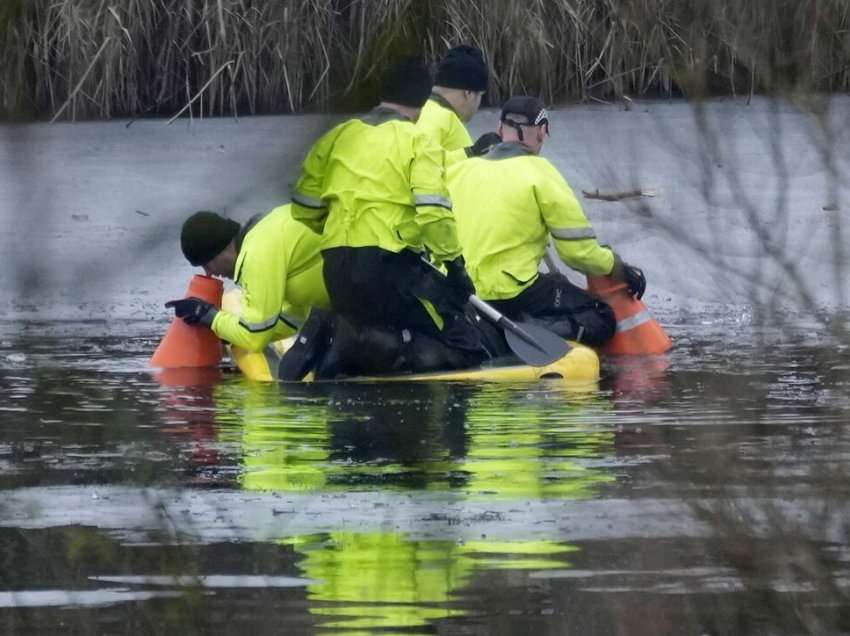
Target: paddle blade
x: 535, y: 345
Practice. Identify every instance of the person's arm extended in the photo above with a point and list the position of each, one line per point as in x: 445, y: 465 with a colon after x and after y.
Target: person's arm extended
x: 263, y: 292
x: 307, y: 204
x: 247, y: 335
x: 574, y: 237
x: 433, y: 205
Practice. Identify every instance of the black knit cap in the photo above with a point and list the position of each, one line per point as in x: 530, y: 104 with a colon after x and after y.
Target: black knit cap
x: 407, y: 82
x: 463, y: 67
x: 205, y: 235
x: 529, y: 107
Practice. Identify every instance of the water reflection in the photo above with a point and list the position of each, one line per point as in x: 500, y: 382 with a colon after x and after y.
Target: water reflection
x: 690, y: 494
x: 188, y: 414
x: 381, y: 580
x: 492, y: 442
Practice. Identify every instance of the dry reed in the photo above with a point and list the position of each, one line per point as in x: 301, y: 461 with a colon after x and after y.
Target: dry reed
x: 96, y: 59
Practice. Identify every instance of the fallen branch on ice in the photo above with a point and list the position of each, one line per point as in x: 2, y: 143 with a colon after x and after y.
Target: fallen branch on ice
x: 618, y: 196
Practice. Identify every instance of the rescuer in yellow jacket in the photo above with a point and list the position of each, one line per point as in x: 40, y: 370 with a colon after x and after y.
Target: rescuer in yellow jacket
x: 508, y: 204
x: 374, y: 188
x: 461, y: 81
x: 273, y: 258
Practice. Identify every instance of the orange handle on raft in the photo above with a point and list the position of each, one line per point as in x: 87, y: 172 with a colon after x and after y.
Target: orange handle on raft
x: 191, y: 345
x: 638, y: 333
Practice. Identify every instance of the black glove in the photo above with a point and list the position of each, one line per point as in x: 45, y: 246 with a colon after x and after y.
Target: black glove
x: 483, y: 144
x: 459, y: 279
x: 635, y: 280
x: 193, y: 310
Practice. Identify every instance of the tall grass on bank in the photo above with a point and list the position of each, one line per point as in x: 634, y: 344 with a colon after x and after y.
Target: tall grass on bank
x: 96, y: 58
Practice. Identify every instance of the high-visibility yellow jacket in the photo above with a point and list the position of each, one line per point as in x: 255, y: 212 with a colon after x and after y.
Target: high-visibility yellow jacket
x: 279, y: 269
x: 378, y: 181
x: 507, y: 205
x: 439, y: 120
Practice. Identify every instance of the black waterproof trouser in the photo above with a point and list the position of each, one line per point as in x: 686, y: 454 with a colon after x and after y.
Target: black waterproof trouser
x: 552, y: 301
x: 373, y: 288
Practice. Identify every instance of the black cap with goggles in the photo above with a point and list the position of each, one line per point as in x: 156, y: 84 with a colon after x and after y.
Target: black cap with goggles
x: 524, y: 111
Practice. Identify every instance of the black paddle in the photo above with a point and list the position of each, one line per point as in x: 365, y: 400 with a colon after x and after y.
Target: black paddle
x: 532, y: 344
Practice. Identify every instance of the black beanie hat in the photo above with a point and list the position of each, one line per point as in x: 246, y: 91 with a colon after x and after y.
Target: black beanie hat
x: 407, y: 82
x: 205, y: 235
x: 463, y: 67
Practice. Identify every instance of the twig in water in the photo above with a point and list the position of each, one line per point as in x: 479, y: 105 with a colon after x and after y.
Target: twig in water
x: 618, y: 196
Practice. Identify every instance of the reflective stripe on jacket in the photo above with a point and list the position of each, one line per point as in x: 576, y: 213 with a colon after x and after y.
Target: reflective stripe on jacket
x: 377, y: 182
x: 279, y: 269
x: 507, y: 204
x: 442, y: 124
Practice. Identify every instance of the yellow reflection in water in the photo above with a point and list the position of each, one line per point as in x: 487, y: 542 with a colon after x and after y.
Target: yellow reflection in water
x: 284, y: 442
x: 381, y: 580
x: 506, y: 443
x: 494, y: 441
x: 387, y: 580
x: 523, y: 448
x: 517, y: 555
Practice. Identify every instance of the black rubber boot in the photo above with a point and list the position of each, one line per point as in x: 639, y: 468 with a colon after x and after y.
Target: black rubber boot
x: 367, y: 351
x: 599, y: 325
x: 564, y: 326
x: 423, y: 354
x: 592, y: 326
x: 310, y: 345
x: 384, y: 351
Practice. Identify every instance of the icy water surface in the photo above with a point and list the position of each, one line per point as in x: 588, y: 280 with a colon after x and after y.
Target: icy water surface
x: 703, y: 492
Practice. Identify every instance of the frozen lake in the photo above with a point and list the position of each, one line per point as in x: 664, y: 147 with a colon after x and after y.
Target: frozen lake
x: 750, y: 204
x: 701, y: 492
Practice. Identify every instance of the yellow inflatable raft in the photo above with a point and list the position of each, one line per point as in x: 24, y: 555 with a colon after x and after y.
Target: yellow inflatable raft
x: 580, y: 365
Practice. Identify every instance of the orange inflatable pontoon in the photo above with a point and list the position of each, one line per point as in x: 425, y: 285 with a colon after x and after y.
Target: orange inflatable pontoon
x: 638, y: 333
x: 192, y: 345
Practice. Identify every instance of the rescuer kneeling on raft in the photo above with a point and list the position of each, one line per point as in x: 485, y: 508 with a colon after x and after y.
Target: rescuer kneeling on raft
x: 273, y: 258
x: 374, y: 189
x: 507, y: 204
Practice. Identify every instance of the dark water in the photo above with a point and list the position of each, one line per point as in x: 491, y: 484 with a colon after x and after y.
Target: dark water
x: 705, y: 492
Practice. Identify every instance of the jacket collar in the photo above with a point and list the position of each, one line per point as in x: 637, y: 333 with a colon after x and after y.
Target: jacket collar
x: 239, y: 238
x: 381, y: 115
x: 442, y: 101
x: 508, y: 149
x: 249, y: 225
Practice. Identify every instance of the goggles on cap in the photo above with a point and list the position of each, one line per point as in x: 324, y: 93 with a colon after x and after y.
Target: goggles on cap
x: 541, y: 119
